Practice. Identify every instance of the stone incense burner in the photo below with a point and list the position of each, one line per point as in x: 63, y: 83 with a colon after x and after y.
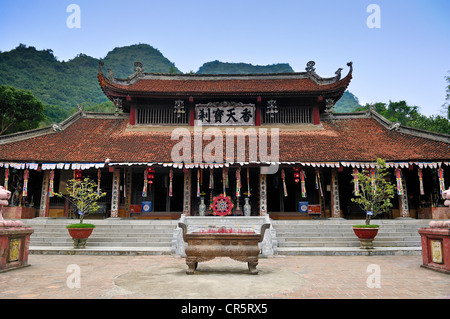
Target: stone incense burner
x: 238, y: 245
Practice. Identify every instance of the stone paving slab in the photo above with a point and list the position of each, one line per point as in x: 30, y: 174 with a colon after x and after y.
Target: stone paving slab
x: 163, y: 277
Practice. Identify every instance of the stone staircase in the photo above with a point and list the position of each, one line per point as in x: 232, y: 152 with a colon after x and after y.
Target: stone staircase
x: 286, y: 237
x: 332, y: 237
x: 110, y: 236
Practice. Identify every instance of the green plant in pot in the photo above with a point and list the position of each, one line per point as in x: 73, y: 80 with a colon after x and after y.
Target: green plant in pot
x: 374, y: 195
x: 84, y: 195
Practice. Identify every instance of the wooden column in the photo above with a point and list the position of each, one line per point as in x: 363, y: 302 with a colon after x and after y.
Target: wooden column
x: 128, y: 183
x: 316, y: 115
x: 403, y: 200
x: 262, y: 194
x: 45, y: 199
x: 335, y: 204
x: 132, y: 115
x: 187, y: 192
x: 115, y: 193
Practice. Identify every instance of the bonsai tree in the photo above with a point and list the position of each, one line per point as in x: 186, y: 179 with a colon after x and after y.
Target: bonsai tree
x: 375, y: 192
x: 84, y: 195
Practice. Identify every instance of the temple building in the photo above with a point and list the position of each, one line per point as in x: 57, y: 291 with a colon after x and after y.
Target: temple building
x: 225, y: 145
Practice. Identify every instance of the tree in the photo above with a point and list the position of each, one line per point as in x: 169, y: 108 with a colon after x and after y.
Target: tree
x: 84, y: 194
x: 375, y: 191
x: 410, y: 116
x: 19, y: 110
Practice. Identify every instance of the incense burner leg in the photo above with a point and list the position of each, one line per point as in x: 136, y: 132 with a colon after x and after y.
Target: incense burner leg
x: 192, y: 263
x: 252, y: 263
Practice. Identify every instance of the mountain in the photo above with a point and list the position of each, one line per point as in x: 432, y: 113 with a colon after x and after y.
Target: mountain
x: 67, y: 84
x: 347, y: 103
x: 62, y: 85
x: 217, y: 67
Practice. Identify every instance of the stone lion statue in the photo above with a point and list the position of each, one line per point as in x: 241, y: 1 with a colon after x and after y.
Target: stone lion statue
x: 4, y: 196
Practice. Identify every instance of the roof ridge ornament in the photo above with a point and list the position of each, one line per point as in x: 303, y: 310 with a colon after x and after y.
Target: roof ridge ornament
x: 310, y: 66
x: 138, y: 68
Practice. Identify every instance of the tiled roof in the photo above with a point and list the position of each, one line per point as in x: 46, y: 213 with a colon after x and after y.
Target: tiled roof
x: 226, y: 86
x: 93, y: 139
x: 301, y: 83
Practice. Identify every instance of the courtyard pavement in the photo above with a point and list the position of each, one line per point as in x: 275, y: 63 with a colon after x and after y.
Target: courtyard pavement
x: 280, y: 277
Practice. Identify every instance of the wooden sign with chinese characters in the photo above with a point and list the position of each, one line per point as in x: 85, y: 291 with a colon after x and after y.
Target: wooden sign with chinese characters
x: 225, y: 113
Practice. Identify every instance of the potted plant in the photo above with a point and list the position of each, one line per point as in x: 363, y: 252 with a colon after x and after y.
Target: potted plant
x: 373, y: 194
x: 83, y: 194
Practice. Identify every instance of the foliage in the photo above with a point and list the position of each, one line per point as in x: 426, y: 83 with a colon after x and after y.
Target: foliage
x: 83, y: 194
x: 121, y: 60
x: 347, y: 103
x: 378, y: 201
x: 217, y: 67
x: 19, y: 110
x: 410, y: 116
x: 366, y: 226
x: 68, y: 83
x: 80, y: 226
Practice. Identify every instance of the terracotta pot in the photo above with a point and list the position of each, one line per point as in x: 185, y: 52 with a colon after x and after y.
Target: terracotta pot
x: 366, y: 236
x: 80, y: 233
x: 80, y: 236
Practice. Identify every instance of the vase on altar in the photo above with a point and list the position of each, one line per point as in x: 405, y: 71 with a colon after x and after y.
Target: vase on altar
x: 247, y: 207
x: 202, y: 207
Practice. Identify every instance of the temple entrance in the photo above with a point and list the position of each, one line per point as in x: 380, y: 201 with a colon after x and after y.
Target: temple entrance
x: 209, y: 183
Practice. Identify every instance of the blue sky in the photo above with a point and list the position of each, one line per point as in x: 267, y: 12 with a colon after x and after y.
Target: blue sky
x: 407, y: 58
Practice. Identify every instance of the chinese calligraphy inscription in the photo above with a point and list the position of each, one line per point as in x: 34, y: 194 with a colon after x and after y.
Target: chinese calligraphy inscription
x: 225, y: 113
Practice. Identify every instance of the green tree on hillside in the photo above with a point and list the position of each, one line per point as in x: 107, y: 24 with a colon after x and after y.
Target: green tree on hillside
x: 409, y: 115
x: 19, y: 110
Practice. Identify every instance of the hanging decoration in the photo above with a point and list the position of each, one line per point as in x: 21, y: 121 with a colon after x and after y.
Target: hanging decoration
x: 441, y: 180
x: 170, y: 181
x: 124, y: 184
x: 221, y: 205
x: 248, y: 182
x: 296, y: 174
x: 211, y: 178
x: 150, y: 178
x: 25, y: 183
x: 372, y: 177
x: 398, y: 175
x: 422, y: 192
x: 51, y: 191
x: 77, y: 175
x: 6, y: 178
x: 318, y: 183
x: 198, y: 181
x: 224, y: 180
x: 99, y: 176
x: 302, y: 177
x: 284, y: 183
x: 355, y: 182
x: 144, y: 189
x: 238, y: 182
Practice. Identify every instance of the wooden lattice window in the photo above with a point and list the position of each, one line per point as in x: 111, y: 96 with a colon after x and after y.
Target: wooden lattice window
x: 289, y: 115
x: 160, y: 115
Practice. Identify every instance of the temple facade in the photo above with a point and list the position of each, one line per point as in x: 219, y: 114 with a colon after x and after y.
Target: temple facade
x: 224, y: 145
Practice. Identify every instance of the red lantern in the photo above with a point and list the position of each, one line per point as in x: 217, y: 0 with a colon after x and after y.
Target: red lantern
x: 78, y: 175
x: 297, y: 180
x: 296, y: 175
x: 150, y: 176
